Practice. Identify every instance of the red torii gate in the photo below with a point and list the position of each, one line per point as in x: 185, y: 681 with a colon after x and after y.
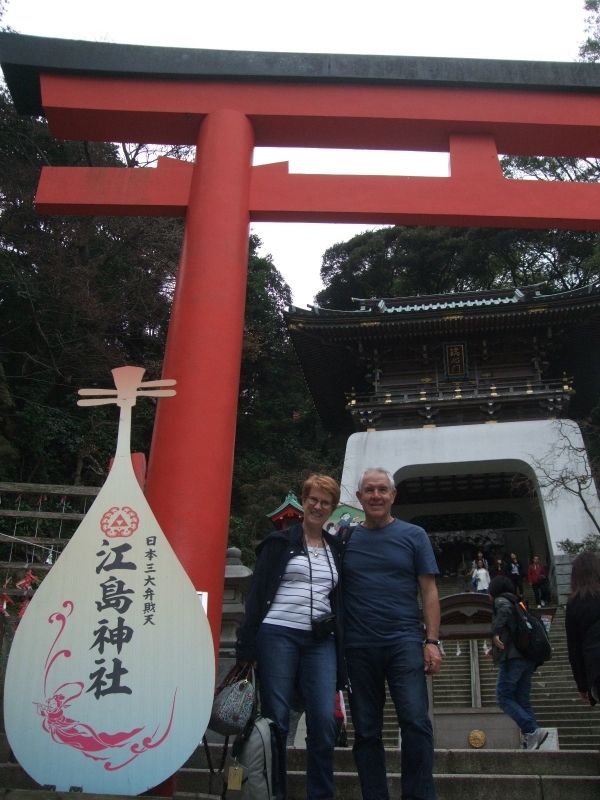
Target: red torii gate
x: 228, y: 102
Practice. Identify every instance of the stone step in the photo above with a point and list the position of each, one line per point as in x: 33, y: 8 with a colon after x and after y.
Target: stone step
x: 43, y: 794
x: 464, y: 774
x: 573, y: 743
x: 533, y: 785
x: 470, y: 761
x: 581, y: 715
x: 471, y: 787
x: 455, y: 761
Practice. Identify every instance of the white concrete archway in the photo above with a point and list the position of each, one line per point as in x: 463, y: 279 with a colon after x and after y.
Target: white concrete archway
x: 541, y: 449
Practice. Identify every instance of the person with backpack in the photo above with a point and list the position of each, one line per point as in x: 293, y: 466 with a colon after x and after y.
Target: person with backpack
x: 292, y: 632
x: 515, y: 670
x: 582, y: 625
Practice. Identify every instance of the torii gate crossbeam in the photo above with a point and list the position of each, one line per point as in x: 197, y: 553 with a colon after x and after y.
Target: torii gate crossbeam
x: 228, y: 103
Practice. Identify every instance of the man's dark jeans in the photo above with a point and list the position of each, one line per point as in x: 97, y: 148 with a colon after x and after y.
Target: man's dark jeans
x: 401, y: 665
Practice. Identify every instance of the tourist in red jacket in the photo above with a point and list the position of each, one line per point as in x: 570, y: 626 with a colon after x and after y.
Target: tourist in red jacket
x: 537, y: 575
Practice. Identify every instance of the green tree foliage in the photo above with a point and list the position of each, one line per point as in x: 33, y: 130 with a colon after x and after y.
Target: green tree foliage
x: 78, y: 296
x: 590, y: 48
x: 405, y: 261
x: 590, y: 542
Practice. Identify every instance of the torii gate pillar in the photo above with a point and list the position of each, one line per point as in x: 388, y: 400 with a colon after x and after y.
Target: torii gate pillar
x: 194, y: 435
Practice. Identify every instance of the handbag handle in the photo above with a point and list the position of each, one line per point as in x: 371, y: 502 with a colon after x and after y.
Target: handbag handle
x: 238, y: 672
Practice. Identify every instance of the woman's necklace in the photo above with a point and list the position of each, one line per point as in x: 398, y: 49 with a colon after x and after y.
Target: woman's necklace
x: 314, y: 550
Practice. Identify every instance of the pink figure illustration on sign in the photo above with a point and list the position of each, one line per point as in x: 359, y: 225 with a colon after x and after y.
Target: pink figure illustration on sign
x: 65, y: 730
x: 80, y: 735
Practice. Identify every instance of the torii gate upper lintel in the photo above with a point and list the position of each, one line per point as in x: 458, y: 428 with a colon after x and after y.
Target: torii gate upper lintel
x: 226, y: 103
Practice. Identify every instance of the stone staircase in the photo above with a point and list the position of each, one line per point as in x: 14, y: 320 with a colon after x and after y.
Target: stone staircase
x: 459, y: 775
x: 572, y: 773
x: 554, y: 695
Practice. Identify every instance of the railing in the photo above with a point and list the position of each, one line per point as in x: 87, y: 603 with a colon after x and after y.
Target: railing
x: 421, y: 393
x: 36, y: 521
x: 484, y: 399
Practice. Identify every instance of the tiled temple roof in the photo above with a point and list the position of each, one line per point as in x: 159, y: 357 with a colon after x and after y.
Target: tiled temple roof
x: 290, y: 501
x: 459, y: 300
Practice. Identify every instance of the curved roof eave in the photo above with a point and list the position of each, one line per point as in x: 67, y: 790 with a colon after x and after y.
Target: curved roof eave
x: 431, y: 307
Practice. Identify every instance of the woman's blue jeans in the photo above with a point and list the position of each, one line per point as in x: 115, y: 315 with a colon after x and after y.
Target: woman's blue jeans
x: 291, y: 662
x: 513, y: 690
x: 401, y: 665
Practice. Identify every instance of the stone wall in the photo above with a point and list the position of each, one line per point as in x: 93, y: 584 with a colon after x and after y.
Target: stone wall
x: 562, y: 577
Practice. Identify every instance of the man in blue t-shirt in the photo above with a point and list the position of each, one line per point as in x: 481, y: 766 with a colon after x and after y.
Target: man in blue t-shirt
x: 386, y: 565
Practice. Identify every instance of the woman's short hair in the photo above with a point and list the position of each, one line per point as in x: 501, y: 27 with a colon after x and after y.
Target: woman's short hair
x: 499, y: 585
x: 325, y: 484
x: 585, y: 575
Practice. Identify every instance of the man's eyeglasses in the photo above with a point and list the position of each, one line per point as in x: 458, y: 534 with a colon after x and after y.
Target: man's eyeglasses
x: 314, y: 501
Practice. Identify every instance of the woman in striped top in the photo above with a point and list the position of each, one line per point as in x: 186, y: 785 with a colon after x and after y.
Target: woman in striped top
x: 295, y: 583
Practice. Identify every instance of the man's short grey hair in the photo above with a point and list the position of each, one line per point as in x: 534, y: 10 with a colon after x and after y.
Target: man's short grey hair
x: 378, y: 471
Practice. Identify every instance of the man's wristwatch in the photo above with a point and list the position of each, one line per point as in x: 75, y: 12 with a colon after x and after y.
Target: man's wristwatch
x: 436, y: 642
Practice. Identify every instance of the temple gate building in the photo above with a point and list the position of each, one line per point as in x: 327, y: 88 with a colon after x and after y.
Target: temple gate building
x: 466, y: 399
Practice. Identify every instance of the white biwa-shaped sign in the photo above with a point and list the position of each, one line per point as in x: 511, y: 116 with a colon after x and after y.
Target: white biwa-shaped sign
x: 110, y: 679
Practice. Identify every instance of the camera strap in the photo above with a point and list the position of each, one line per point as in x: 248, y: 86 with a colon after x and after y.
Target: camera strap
x: 310, y: 571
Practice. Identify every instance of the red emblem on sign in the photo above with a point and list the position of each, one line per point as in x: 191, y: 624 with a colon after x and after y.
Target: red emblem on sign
x: 119, y: 522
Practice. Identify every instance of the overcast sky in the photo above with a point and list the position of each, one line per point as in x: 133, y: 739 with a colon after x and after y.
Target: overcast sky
x: 538, y: 30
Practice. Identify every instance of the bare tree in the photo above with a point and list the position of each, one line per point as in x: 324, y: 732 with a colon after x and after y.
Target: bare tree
x: 566, y: 467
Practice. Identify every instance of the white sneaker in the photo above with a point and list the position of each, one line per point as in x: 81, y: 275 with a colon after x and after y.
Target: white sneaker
x: 543, y: 603
x: 536, y: 739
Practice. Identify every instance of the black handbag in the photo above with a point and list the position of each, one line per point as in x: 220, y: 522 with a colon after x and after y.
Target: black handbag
x: 234, y: 703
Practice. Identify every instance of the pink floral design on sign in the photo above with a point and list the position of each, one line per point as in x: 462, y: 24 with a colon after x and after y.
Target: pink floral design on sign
x: 65, y: 730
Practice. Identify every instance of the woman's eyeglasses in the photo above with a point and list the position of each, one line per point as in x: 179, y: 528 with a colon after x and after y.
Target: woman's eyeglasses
x: 314, y: 501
